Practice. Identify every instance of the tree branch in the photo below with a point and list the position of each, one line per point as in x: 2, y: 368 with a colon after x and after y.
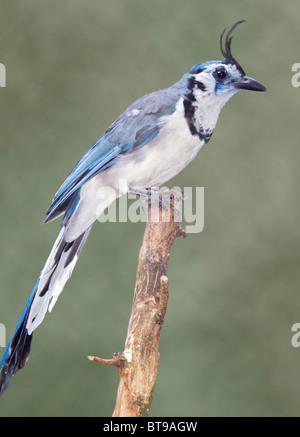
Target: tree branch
x: 138, y: 363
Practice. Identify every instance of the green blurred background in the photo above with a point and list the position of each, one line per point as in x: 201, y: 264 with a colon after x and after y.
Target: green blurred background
x: 72, y: 67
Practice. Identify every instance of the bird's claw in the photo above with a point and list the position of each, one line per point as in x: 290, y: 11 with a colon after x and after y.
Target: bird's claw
x: 165, y: 199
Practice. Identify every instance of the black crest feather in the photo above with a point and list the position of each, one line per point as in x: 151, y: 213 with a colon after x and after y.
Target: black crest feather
x: 226, y: 50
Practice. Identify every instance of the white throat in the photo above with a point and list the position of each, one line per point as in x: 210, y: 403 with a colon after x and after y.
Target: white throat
x: 207, y: 109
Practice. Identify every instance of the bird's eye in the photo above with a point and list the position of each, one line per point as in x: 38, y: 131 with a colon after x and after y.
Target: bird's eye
x: 221, y: 72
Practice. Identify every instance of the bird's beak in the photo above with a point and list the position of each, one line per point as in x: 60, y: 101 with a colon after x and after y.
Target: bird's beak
x: 247, y: 83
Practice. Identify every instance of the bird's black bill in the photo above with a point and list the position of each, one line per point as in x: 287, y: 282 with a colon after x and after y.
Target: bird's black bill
x: 247, y: 83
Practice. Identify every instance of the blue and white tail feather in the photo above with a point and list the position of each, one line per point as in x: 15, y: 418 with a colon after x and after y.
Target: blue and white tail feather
x: 151, y: 142
x: 56, y: 272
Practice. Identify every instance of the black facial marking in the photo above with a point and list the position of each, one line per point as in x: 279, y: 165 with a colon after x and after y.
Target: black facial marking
x: 189, y: 110
x: 201, y: 86
x: 191, y: 85
x: 198, y: 70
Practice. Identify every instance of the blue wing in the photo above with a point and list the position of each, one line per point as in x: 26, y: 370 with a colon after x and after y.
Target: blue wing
x: 135, y: 127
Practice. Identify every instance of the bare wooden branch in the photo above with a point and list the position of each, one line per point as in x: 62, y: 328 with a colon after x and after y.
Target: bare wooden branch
x: 138, y: 363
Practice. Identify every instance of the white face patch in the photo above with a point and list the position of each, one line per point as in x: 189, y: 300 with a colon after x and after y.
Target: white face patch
x: 207, y: 79
x: 210, y: 81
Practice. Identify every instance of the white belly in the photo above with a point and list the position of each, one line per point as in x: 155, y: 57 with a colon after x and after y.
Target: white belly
x: 162, y: 159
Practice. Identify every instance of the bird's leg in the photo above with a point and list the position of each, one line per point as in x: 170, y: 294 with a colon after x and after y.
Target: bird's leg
x: 164, y: 198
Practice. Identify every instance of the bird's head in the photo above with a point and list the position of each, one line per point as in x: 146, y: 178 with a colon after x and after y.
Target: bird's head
x: 219, y: 80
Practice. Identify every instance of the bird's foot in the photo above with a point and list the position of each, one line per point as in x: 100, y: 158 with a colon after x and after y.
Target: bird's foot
x: 165, y: 199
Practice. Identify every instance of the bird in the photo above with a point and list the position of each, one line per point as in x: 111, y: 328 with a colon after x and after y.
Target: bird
x: 153, y: 140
